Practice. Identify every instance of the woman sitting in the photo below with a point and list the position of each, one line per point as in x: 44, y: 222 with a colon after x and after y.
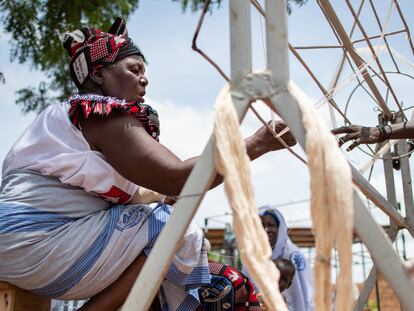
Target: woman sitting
x: 66, y: 229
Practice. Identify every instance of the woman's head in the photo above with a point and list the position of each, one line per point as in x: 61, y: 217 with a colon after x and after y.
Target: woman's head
x: 123, y: 79
x: 275, y: 226
x: 270, y: 223
x: 106, y: 62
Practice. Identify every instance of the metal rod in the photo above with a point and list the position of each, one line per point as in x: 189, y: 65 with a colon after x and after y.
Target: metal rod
x: 345, y: 54
x: 312, y: 47
x: 405, y: 25
x: 404, y: 245
x: 406, y: 184
x: 379, y: 36
x: 366, y: 65
x: 390, y: 183
x: 382, y: 34
x: 338, y: 71
x: 375, y: 197
x: 194, y: 42
x: 359, y: 69
x: 324, y: 91
x: 374, y: 54
x: 277, y: 136
x: 377, y: 296
x: 364, y: 271
x: 354, y: 55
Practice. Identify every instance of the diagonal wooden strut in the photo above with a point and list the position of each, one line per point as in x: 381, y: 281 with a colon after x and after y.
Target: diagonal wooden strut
x: 347, y: 43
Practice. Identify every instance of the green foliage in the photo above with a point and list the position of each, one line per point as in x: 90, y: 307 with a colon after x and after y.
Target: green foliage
x: 215, y: 256
x: 297, y: 2
x: 33, y: 99
x: 36, y: 27
x: 371, y: 305
x: 196, y: 5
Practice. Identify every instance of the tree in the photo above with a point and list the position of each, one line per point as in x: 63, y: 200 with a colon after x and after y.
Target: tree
x: 196, y: 5
x: 36, y: 26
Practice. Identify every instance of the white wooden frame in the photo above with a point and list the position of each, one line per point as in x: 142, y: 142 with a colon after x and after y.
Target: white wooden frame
x: 246, y: 87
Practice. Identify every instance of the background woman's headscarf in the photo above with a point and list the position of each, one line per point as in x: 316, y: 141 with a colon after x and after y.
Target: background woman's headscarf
x: 299, y: 295
x: 282, y: 236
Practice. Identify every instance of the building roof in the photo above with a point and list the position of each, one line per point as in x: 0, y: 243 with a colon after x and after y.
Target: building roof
x: 301, y: 236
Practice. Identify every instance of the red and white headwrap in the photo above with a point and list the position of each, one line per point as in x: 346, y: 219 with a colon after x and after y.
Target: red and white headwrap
x: 89, y: 48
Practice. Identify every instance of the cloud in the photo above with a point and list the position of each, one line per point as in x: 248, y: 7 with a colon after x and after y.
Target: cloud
x: 184, y: 129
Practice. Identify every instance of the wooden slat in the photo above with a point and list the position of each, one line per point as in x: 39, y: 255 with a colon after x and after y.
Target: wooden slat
x: 6, y: 300
x: 301, y: 236
x: 13, y: 298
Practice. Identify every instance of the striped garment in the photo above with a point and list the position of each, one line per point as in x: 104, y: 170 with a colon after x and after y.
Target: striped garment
x: 53, y: 146
x: 64, y: 231
x: 60, y: 241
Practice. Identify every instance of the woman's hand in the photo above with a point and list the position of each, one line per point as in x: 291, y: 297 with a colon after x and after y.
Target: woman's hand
x: 359, y: 135
x: 170, y: 200
x: 270, y: 142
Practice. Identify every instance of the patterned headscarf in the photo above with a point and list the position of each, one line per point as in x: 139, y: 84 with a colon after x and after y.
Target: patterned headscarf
x: 90, y: 48
x: 282, y: 236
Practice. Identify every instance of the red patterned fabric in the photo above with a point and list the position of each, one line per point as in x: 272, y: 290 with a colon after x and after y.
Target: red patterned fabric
x: 116, y: 195
x: 104, y: 105
x: 245, y: 298
x: 90, y: 47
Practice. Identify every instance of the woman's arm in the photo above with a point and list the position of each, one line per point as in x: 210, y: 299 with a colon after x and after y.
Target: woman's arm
x: 144, y: 161
x: 371, y: 135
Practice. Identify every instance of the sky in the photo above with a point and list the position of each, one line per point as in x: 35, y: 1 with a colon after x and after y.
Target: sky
x: 183, y: 88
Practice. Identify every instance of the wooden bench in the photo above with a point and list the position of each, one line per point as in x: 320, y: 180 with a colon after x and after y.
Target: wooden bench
x: 13, y: 298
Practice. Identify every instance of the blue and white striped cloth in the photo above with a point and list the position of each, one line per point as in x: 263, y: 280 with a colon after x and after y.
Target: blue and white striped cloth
x: 62, y: 242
